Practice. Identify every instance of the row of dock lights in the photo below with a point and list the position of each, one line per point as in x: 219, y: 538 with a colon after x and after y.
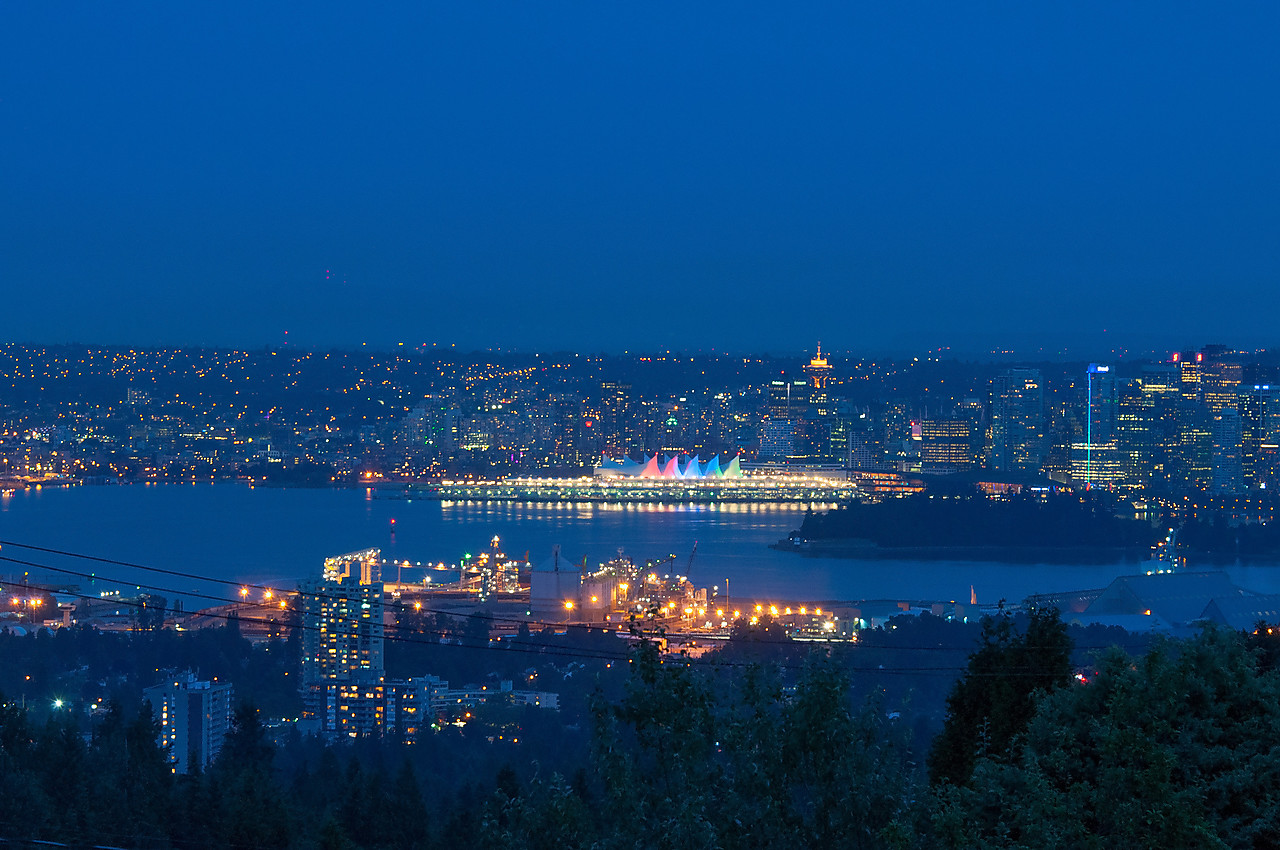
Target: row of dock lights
x: 267, y: 596
x: 773, y: 611
x: 670, y: 609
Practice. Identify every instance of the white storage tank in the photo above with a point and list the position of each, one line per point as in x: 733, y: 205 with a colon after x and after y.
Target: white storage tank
x: 553, y: 588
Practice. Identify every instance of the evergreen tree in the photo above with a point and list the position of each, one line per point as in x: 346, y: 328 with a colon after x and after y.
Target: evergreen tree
x: 1180, y: 748
x: 995, y: 699
x: 255, y: 812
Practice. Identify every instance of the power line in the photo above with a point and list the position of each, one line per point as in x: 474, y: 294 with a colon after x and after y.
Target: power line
x: 317, y: 594
x: 230, y: 601
x: 197, y: 577
x: 401, y: 637
x: 238, y: 618
x: 594, y: 655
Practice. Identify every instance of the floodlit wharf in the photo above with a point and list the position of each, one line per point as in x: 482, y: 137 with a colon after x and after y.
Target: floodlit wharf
x: 619, y: 596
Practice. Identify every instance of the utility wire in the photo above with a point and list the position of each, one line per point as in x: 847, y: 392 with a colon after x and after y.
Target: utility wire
x: 486, y: 617
x: 411, y: 638
x: 233, y: 616
x: 318, y: 594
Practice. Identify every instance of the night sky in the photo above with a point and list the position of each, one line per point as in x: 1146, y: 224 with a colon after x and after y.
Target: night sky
x: 609, y: 176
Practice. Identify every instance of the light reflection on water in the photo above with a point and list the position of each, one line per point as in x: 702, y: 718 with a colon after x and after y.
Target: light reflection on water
x: 266, y: 535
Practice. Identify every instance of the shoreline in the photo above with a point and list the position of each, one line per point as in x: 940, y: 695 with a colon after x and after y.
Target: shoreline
x: 865, y: 550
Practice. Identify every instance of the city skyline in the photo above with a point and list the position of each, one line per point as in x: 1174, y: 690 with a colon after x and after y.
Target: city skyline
x: 621, y: 179
x: 600, y: 425
x: 1195, y: 420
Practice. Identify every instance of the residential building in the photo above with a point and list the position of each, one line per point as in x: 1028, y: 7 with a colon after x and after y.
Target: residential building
x: 194, y: 718
x: 342, y: 633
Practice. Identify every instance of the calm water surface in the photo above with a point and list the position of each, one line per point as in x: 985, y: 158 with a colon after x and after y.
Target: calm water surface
x: 236, y: 533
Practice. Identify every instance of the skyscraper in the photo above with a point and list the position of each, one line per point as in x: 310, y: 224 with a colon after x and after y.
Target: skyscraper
x: 1253, y: 404
x: 777, y: 440
x: 1228, y: 475
x: 1017, y: 421
x: 819, y: 418
x: 1220, y: 376
x: 1189, y: 365
x: 783, y: 431
x: 1100, y: 424
x: 788, y: 400
x: 567, y: 424
x: 1148, y: 432
x: 1191, y: 468
x: 974, y: 412
x: 342, y: 633
x: 946, y: 444
x: 1102, y: 403
x: 818, y: 371
x: 617, y: 428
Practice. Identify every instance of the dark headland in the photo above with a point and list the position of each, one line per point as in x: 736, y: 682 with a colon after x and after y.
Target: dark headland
x: 1059, y: 528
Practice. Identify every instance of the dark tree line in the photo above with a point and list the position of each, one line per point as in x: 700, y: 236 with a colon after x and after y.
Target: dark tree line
x: 84, y: 665
x: 1176, y: 746
x: 1057, y: 521
x: 1217, y: 539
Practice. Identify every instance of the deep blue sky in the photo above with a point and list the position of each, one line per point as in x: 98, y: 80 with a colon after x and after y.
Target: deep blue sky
x: 640, y: 175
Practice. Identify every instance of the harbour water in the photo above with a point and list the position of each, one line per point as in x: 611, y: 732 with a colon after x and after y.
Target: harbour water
x: 274, y: 536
